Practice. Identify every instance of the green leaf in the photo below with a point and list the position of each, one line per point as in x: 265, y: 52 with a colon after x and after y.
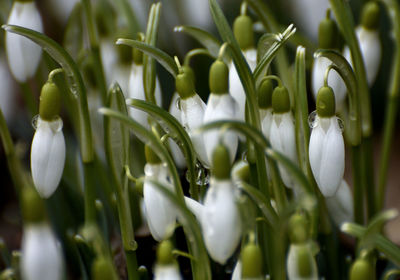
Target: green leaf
x: 149, y: 65
x: 73, y: 35
x: 211, y: 43
x: 116, y: 134
x: 162, y: 57
x: 201, y: 265
x: 178, y: 134
x: 281, y: 39
x: 344, y: 69
x: 74, y: 80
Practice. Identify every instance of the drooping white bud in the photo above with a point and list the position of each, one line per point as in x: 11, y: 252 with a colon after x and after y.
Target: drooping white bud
x: 161, y: 213
x: 220, y: 222
x: 371, y: 51
x: 235, y: 85
x: 300, y: 262
x: 175, y: 150
x: 326, y: 153
x: 47, y: 156
x: 282, y: 137
x: 23, y: 55
x: 167, y: 272
x: 41, y: 257
x: 136, y: 90
x: 220, y: 107
x: 340, y: 206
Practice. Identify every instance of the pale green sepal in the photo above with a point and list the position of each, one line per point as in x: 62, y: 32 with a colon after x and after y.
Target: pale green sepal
x: 280, y: 100
x: 219, y: 77
x: 370, y: 15
x: 243, y: 31
x: 33, y: 208
x: 49, y: 106
x: 221, y: 166
x: 326, y: 102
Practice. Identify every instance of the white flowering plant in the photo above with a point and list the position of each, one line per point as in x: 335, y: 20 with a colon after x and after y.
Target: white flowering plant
x: 258, y: 170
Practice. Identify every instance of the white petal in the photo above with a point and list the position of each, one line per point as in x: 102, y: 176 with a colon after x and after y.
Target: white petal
x: 192, y: 116
x: 334, y: 80
x: 195, y: 207
x: 108, y: 58
x: 220, y: 107
x: 266, y: 121
x: 237, y: 271
x: 315, y: 150
x: 41, y: 258
x: 175, y: 150
x: 332, y: 160
x: 47, y: 157
x: 121, y: 74
x: 340, y: 206
x: 136, y: 90
x: 196, y: 13
x: 161, y: 213
x: 23, y: 55
x: 221, y: 224
x: 167, y: 272
x: 292, y: 263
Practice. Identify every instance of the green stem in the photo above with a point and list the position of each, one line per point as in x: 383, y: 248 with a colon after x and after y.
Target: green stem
x: 29, y: 99
x: 90, y: 192
x: 358, y: 190
x: 94, y: 48
x: 368, y: 176
x: 392, y: 104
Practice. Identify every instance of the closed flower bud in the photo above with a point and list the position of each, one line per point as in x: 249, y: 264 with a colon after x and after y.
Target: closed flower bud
x: 23, y: 55
x: 265, y: 104
x: 161, y: 213
x: 251, y: 258
x: 301, y: 264
x: 220, y: 221
x: 340, y: 206
x: 362, y: 270
x: 298, y: 229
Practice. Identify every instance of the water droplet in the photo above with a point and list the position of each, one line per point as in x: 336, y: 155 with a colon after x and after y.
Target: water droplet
x: 178, y: 103
x: 34, y: 122
x: 340, y: 123
x: 202, y: 176
x: 56, y: 125
x: 244, y: 156
x: 311, y: 119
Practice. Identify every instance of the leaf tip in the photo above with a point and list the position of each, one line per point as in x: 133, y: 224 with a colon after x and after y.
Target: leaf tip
x: 345, y: 227
x: 6, y: 27
x: 119, y: 41
x: 102, y: 111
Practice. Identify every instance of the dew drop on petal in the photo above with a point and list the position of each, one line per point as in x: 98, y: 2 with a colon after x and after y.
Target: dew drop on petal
x: 34, y: 122
x: 56, y: 125
x: 341, y: 124
x: 178, y: 103
x: 312, y: 119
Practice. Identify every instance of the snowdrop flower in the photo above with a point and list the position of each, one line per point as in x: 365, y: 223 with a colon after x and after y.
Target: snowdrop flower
x: 282, y: 134
x: 175, y: 150
x: 328, y: 38
x: 243, y: 31
x: 136, y: 89
x: 220, y: 220
x: 23, y: 55
x: 41, y: 256
x: 192, y: 112
x: 340, y: 206
x: 368, y: 39
x: 326, y: 149
x: 161, y: 213
x: 265, y: 104
x: 166, y: 267
x: 220, y: 106
x: 48, y: 145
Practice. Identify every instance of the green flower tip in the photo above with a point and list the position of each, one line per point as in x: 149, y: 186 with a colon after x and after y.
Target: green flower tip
x: 184, y: 84
x: 219, y: 77
x: 304, y: 264
x: 33, y: 209
x: 361, y: 269
x: 326, y: 107
x: 125, y: 53
x: 265, y: 94
x: 221, y: 164
x: 328, y: 34
x: 137, y: 56
x: 251, y: 262
x: 164, y: 253
x: 280, y: 100
x: 151, y: 156
x: 105, y: 18
x: 103, y: 269
x: 189, y: 71
x: 49, y: 106
x: 243, y: 31
x: 298, y: 229
x: 370, y: 15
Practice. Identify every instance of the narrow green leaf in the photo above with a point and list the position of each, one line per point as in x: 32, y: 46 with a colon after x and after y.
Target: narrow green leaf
x: 162, y: 57
x: 74, y: 79
x: 73, y: 35
x: 345, y: 71
x: 149, y: 65
x: 178, y: 134
x: 208, y: 40
x: 201, y: 264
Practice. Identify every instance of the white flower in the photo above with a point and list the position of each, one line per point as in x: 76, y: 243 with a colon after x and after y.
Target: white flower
x: 192, y: 115
x: 371, y: 50
x: 334, y: 80
x: 41, y: 258
x: 326, y: 152
x: 161, y: 213
x: 282, y: 138
x: 266, y: 121
x: 136, y: 90
x: 220, y: 107
x: 220, y: 221
x: 235, y: 85
x: 167, y: 272
x: 297, y: 251
x: 175, y: 150
x: 340, y: 206
x: 47, y: 156
x: 23, y: 55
